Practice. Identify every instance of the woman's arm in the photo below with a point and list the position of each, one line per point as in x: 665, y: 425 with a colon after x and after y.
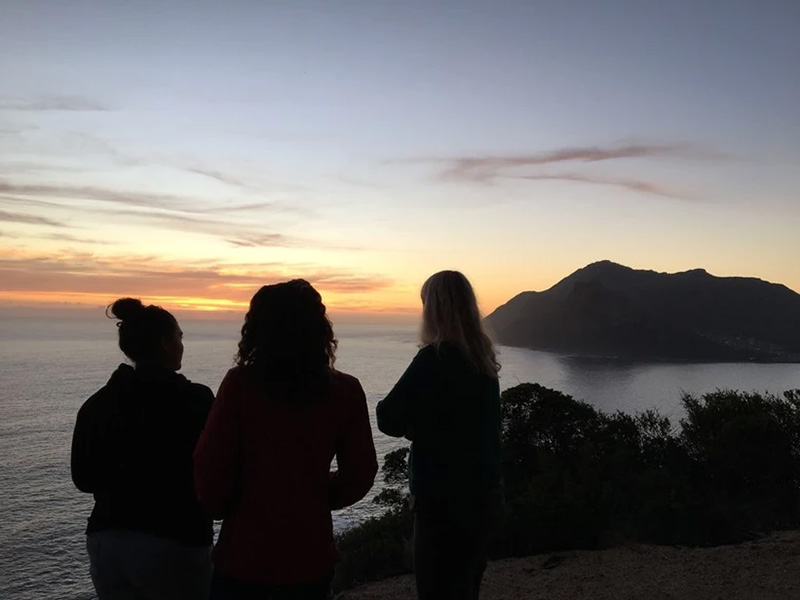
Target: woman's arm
x: 89, y: 456
x: 394, y: 411
x: 355, y: 456
x: 216, y: 456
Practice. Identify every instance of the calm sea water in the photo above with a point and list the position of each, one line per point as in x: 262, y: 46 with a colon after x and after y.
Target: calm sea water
x: 48, y: 368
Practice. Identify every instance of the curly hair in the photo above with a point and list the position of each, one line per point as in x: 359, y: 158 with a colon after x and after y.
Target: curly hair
x: 287, y: 341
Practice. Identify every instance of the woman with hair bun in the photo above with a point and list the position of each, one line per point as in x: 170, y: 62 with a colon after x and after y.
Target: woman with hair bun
x: 263, y: 462
x: 132, y: 448
x: 448, y: 404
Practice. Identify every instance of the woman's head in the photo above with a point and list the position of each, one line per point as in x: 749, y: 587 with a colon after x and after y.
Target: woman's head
x: 287, y: 340
x: 450, y: 314
x: 148, y: 334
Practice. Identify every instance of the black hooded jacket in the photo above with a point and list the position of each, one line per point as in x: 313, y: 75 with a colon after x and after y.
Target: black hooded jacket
x: 132, y: 448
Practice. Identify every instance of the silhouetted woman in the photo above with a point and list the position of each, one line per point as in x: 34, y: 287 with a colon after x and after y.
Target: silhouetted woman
x: 448, y: 404
x: 132, y: 448
x: 263, y: 461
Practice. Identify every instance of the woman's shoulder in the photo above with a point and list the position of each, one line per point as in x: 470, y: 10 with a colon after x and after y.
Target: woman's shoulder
x: 241, y: 377
x: 429, y: 350
x: 201, y: 392
x: 344, y: 381
x: 439, y: 355
x: 429, y: 354
x: 121, y: 380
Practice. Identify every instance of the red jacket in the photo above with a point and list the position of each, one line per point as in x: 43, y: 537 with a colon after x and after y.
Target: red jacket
x: 264, y: 467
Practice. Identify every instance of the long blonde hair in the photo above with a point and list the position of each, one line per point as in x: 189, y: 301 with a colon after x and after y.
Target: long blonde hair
x: 450, y: 314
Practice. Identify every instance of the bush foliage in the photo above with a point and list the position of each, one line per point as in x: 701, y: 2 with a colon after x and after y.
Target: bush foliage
x: 578, y: 478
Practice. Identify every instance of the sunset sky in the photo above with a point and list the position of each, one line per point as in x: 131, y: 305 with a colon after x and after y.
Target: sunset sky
x: 187, y: 152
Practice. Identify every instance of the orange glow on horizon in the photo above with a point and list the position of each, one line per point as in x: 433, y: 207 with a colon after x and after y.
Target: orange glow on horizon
x: 209, y: 306
x: 39, y: 280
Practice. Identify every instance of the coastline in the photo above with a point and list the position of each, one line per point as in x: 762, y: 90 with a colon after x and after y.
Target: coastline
x: 640, y: 359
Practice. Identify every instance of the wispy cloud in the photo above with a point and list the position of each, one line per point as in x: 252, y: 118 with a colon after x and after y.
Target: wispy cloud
x: 15, y: 129
x: 90, y: 193
x: 487, y: 169
x: 64, y: 237
x: 52, y: 103
x: 348, y: 283
x: 139, y: 199
x: 106, y: 277
x: 257, y: 207
x: 279, y: 240
x: 239, y: 224
x: 13, y: 217
x: 633, y: 185
x: 359, y: 183
x: 260, y: 240
x: 217, y: 175
x: 29, y: 167
x: 237, y: 233
x: 58, y: 237
x: 30, y: 202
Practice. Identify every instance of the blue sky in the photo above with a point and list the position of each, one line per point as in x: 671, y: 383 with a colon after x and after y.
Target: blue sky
x: 365, y: 144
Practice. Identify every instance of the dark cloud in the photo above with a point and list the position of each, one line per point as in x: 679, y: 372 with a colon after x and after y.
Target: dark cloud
x: 55, y: 103
x: 485, y: 169
x: 13, y: 217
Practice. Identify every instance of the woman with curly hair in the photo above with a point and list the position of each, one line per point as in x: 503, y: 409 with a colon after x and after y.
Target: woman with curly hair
x: 448, y: 404
x: 263, y: 462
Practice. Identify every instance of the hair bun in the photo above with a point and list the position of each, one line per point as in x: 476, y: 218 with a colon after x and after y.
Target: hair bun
x: 127, y: 308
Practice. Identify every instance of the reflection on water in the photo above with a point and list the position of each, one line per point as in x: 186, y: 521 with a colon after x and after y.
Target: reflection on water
x: 630, y: 386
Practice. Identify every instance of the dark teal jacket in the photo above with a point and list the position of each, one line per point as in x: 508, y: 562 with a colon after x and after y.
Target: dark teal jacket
x: 451, y: 414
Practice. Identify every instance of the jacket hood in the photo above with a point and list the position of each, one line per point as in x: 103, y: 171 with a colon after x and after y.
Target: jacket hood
x: 126, y: 376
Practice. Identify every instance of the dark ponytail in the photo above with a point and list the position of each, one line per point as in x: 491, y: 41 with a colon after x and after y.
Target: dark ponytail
x: 141, y: 328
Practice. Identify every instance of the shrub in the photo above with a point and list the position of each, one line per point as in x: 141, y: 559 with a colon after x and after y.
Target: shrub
x: 578, y: 478
x: 379, y: 547
x: 373, y: 550
x: 746, y: 449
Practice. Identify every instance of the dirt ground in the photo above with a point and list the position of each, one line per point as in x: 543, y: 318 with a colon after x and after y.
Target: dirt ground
x: 765, y: 569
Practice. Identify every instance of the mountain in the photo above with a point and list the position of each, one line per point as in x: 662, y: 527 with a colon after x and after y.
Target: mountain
x: 606, y: 309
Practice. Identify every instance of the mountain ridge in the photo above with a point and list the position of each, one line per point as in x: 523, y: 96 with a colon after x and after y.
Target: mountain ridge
x: 608, y: 309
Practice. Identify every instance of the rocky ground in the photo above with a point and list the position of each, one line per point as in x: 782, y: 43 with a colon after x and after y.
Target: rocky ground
x: 765, y: 569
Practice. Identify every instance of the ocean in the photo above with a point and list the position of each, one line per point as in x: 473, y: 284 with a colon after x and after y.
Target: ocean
x: 49, y: 367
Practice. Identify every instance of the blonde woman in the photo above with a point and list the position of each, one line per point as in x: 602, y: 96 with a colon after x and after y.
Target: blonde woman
x: 448, y: 404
